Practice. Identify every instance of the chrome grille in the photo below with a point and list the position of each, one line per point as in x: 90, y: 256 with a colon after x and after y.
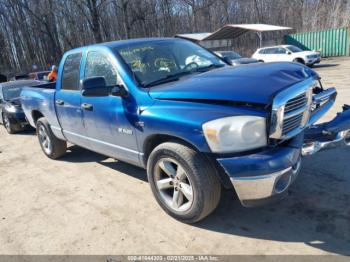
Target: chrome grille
x: 296, y: 103
x: 293, y: 113
x: 313, y: 56
x: 292, y: 123
x: 291, y: 110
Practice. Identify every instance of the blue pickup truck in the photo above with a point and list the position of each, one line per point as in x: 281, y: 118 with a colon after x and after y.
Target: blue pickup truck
x: 195, y: 123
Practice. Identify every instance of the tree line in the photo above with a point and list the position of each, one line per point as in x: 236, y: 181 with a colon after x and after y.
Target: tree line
x: 38, y: 32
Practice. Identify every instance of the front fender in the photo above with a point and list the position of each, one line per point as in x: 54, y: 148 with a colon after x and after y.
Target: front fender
x: 184, y: 120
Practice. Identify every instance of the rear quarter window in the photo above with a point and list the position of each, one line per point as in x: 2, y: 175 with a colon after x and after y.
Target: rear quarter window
x: 71, y: 71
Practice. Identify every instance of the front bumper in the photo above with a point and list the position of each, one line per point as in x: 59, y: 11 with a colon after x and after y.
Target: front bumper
x: 335, y: 133
x: 312, y: 61
x: 265, y: 176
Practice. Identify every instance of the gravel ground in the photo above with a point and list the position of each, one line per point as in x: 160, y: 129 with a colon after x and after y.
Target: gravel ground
x: 86, y: 203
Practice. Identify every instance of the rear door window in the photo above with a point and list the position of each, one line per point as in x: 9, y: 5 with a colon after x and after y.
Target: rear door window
x: 71, y: 71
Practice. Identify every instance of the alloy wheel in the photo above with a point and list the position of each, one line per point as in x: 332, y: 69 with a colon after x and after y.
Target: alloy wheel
x: 45, y: 140
x: 173, y: 185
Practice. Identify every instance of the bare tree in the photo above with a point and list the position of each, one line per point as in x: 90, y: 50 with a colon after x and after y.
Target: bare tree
x: 39, y: 31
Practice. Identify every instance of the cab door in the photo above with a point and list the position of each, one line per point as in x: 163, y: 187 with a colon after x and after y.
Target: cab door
x: 68, y: 101
x: 109, y: 120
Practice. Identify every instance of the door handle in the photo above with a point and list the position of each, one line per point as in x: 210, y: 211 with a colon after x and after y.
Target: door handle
x: 59, y: 102
x: 87, y: 106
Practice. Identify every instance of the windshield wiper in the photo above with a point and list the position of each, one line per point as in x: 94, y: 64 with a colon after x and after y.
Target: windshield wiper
x: 207, y: 68
x: 168, y: 78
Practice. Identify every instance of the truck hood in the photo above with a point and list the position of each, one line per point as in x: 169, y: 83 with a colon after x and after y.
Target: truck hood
x: 254, y: 83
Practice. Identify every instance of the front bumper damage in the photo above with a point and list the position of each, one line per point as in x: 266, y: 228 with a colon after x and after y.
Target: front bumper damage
x: 335, y: 133
x: 266, y: 176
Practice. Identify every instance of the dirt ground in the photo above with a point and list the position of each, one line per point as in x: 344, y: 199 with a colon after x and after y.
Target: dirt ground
x: 86, y: 203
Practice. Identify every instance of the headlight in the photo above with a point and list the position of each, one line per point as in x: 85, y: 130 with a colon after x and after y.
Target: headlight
x: 309, y: 56
x: 11, y: 108
x: 236, y: 133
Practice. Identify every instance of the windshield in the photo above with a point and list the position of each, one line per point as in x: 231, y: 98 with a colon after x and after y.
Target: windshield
x: 11, y: 92
x: 230, y: 55
x: 156, y: 62
x: 294, y: 49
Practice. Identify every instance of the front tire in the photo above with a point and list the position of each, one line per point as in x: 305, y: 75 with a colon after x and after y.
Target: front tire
x: 50, y: 144
x: 183, y: 181
x: 10, y: 128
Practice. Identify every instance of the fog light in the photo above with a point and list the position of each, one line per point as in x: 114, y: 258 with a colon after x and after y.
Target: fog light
x: 283, y: 182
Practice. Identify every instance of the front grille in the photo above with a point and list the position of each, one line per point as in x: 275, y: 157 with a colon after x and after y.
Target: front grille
x: 295, y: 103
x: 291, y: 123
x: 291, y: 110
x: 293, y: 113
x: 313, y: 56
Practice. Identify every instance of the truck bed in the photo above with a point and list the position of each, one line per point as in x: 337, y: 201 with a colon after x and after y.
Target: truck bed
x: 48, y: 85
x: 37, y: 99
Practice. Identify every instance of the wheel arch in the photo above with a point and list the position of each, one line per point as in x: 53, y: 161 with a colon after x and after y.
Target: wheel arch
x: 36, y: 114
x: 300, y: 60
x: 153, y: 141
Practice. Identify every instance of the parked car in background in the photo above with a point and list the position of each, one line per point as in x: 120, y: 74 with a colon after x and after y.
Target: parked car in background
x: 3, y: 78
x: 287, y: 53
x: 195, y: 127
x: 42, y: 75
x: 236, y: 59
x: 11, y: 113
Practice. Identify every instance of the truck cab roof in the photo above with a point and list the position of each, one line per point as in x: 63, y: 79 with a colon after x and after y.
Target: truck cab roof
x: 123, y: 43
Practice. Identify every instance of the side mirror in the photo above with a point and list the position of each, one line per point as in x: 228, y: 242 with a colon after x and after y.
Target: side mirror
x: 95, y: 87
x: 289, y: 52
x: 227, y: 60
x: 119, y: 90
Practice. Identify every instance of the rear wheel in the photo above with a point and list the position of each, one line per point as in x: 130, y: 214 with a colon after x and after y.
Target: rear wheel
x: 10, y: 128
x: 51, y: 145
x: 183, y: 182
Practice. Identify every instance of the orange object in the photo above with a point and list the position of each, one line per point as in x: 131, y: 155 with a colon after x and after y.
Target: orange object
x: 52, y: 76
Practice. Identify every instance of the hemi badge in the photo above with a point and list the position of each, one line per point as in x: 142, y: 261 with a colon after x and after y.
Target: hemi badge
x: 125, y: 131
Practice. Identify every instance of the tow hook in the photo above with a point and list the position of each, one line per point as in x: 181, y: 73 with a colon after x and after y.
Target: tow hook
x: 335, y: 133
